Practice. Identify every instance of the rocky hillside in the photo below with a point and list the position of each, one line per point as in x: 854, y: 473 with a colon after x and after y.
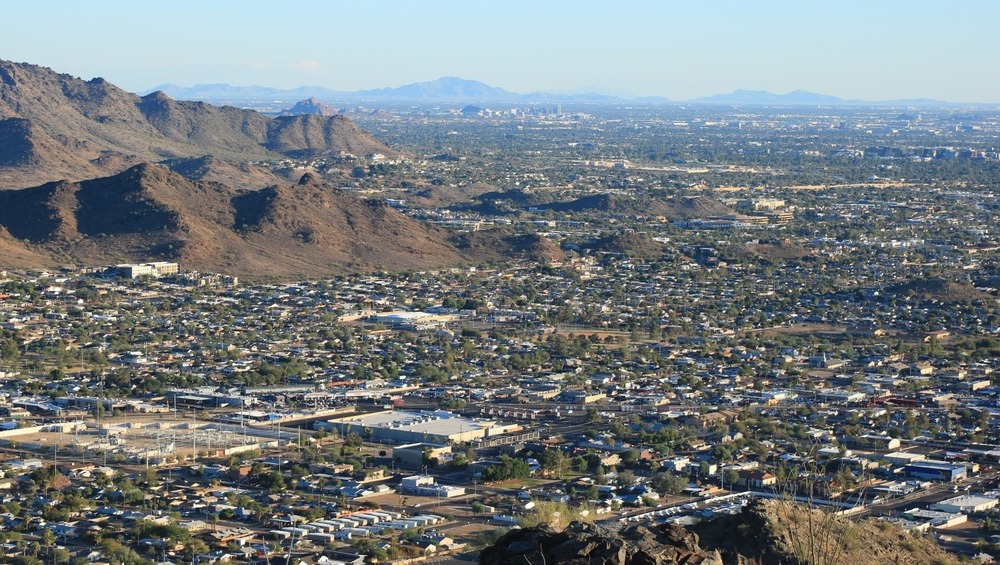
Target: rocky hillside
x: 309, y: 229
x: 322, y: 228
x: 764, y: 533
x: 628, y: 243
x: 500, y: 245
x: 949, y: 292
x: 212, y: 169
x: 17, y: 255
x: 585, y: 543
x: 309, y: 106
x: 311, y: 135
x: 444, y: 196
x: 55, y: 126
x: 671, y: 208
x: 776, y: 251
x: 652, y: 204
x: 687, y: 207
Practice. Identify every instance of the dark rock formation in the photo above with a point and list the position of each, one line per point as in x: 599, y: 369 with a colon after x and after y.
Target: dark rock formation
x: 586, y: 543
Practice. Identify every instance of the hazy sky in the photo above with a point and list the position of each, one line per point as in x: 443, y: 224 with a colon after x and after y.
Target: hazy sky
x: 872, y: 49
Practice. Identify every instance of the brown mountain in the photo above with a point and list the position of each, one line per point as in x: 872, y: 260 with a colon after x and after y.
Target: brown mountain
x: 629, y: 243
x: 54, y: 126
x: 309, y: 106
x: 444, y: 195
x: 208, y: 168
x: 688, y: 207
x: 309, y: 135
x: 672, y: 208
x: 17, y: 255
x: 149, y: 212
x: 504, y: 245
x: 776, y: 251
x: 317, y: 227
x: 936, y: 288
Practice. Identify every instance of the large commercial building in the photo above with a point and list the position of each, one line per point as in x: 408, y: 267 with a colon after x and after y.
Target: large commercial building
x: 935, y: 471
x: 424, y: 485
x: 400, y: 426
x: 965, y: 504
x: 154, y: 269
x: 411, y: 320
x: 415, y: 455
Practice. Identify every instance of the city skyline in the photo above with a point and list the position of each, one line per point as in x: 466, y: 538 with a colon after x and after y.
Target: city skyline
x: 681, y: 51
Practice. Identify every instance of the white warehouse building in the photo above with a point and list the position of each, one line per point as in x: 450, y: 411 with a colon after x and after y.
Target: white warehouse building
x: 401, y: 426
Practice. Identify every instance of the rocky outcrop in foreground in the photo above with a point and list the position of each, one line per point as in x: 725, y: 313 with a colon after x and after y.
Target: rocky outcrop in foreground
x: 587, y: 543
x: 765, y: 532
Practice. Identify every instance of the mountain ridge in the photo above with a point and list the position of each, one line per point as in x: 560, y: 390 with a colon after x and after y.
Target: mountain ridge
x: 455, y: 89
x: 149, y: 212
x: 54, y: 126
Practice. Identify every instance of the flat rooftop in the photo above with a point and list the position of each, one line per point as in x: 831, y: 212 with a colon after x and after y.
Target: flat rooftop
x: 439, y: 422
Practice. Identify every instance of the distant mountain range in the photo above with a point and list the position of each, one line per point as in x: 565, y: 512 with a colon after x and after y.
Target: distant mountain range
x: 441, y: 90
x: 458, y: 90
x: 806, y: 98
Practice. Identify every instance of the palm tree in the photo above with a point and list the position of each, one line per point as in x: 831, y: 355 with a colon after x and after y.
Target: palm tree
x: 48, y: 540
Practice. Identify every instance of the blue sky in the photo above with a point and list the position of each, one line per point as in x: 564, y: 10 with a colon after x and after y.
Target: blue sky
x: 872, y: 50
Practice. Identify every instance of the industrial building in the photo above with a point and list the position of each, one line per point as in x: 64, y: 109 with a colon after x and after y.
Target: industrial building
x: 424, y: 485
x: 412, y: 320
x: 413, y: 456
x: 965, y: 504
x: 399, y: 426
x: 935, y: 471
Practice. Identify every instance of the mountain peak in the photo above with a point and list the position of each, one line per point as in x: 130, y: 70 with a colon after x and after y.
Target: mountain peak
x: 311, y: 105
x: 57, y: 126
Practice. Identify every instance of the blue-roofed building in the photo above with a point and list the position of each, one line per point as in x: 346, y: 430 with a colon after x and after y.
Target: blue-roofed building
x: 935, y: 471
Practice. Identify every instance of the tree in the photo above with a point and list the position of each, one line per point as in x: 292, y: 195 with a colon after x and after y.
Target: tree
x: 61, y: 555
x: 195, y: 547
x: 631, y: 457
x: 731, y: 477
x: 48, y: 539
x: 9, y: 350
x: 370, y: 547
x: 668, y: 483
x: 553, y: 462
x: 626, y: 479
x: 149, y: 478
x: 272, y: 481
x: 508, y: 468
x: 58, y: 481
x: 353, y: 440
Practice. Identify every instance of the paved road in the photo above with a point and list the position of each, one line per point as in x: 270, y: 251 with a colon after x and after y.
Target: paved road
x: 935, y: 493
